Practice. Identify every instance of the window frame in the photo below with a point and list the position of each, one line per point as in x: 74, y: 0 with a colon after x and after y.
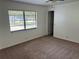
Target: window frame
x: 24, y: 20
x: 35, y: 20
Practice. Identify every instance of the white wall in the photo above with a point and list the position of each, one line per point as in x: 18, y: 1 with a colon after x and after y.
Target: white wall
x: 7, y: 38
x: 66, y: 24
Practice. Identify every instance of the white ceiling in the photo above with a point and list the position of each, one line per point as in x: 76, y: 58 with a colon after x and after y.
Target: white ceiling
x: 42, y: 2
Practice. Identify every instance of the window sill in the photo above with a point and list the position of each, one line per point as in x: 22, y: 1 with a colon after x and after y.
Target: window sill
x: 23, y: 30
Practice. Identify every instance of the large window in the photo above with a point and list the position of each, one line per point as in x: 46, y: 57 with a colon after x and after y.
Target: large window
x: 20, y: 20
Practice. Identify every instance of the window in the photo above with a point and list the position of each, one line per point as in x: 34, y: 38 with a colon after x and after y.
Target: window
x: 20, y: 20
x: 16, y: 20
x: 30, y: 19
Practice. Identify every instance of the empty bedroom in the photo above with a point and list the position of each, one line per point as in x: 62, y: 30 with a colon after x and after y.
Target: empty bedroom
x: 39, y: 29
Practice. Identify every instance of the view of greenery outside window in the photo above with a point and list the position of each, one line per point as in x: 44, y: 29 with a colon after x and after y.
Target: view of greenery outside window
x: 20, y: 20
x: 30, y: 19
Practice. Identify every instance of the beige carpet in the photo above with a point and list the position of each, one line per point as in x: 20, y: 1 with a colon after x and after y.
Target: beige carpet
x: 42, y: 48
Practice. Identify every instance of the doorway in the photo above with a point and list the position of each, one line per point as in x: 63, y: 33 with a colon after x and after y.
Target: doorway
x: 50, y: 23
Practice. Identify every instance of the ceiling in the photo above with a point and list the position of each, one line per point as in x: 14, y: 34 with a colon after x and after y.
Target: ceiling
x: 43, y: 2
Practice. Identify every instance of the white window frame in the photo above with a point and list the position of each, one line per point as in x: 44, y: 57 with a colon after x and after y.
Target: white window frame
x: 24, y: 20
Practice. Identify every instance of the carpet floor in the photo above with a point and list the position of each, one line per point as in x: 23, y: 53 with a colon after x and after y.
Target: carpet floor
x: 42, y: 48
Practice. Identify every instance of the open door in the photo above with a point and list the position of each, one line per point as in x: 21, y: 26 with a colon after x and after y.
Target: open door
x: 51, y: 23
